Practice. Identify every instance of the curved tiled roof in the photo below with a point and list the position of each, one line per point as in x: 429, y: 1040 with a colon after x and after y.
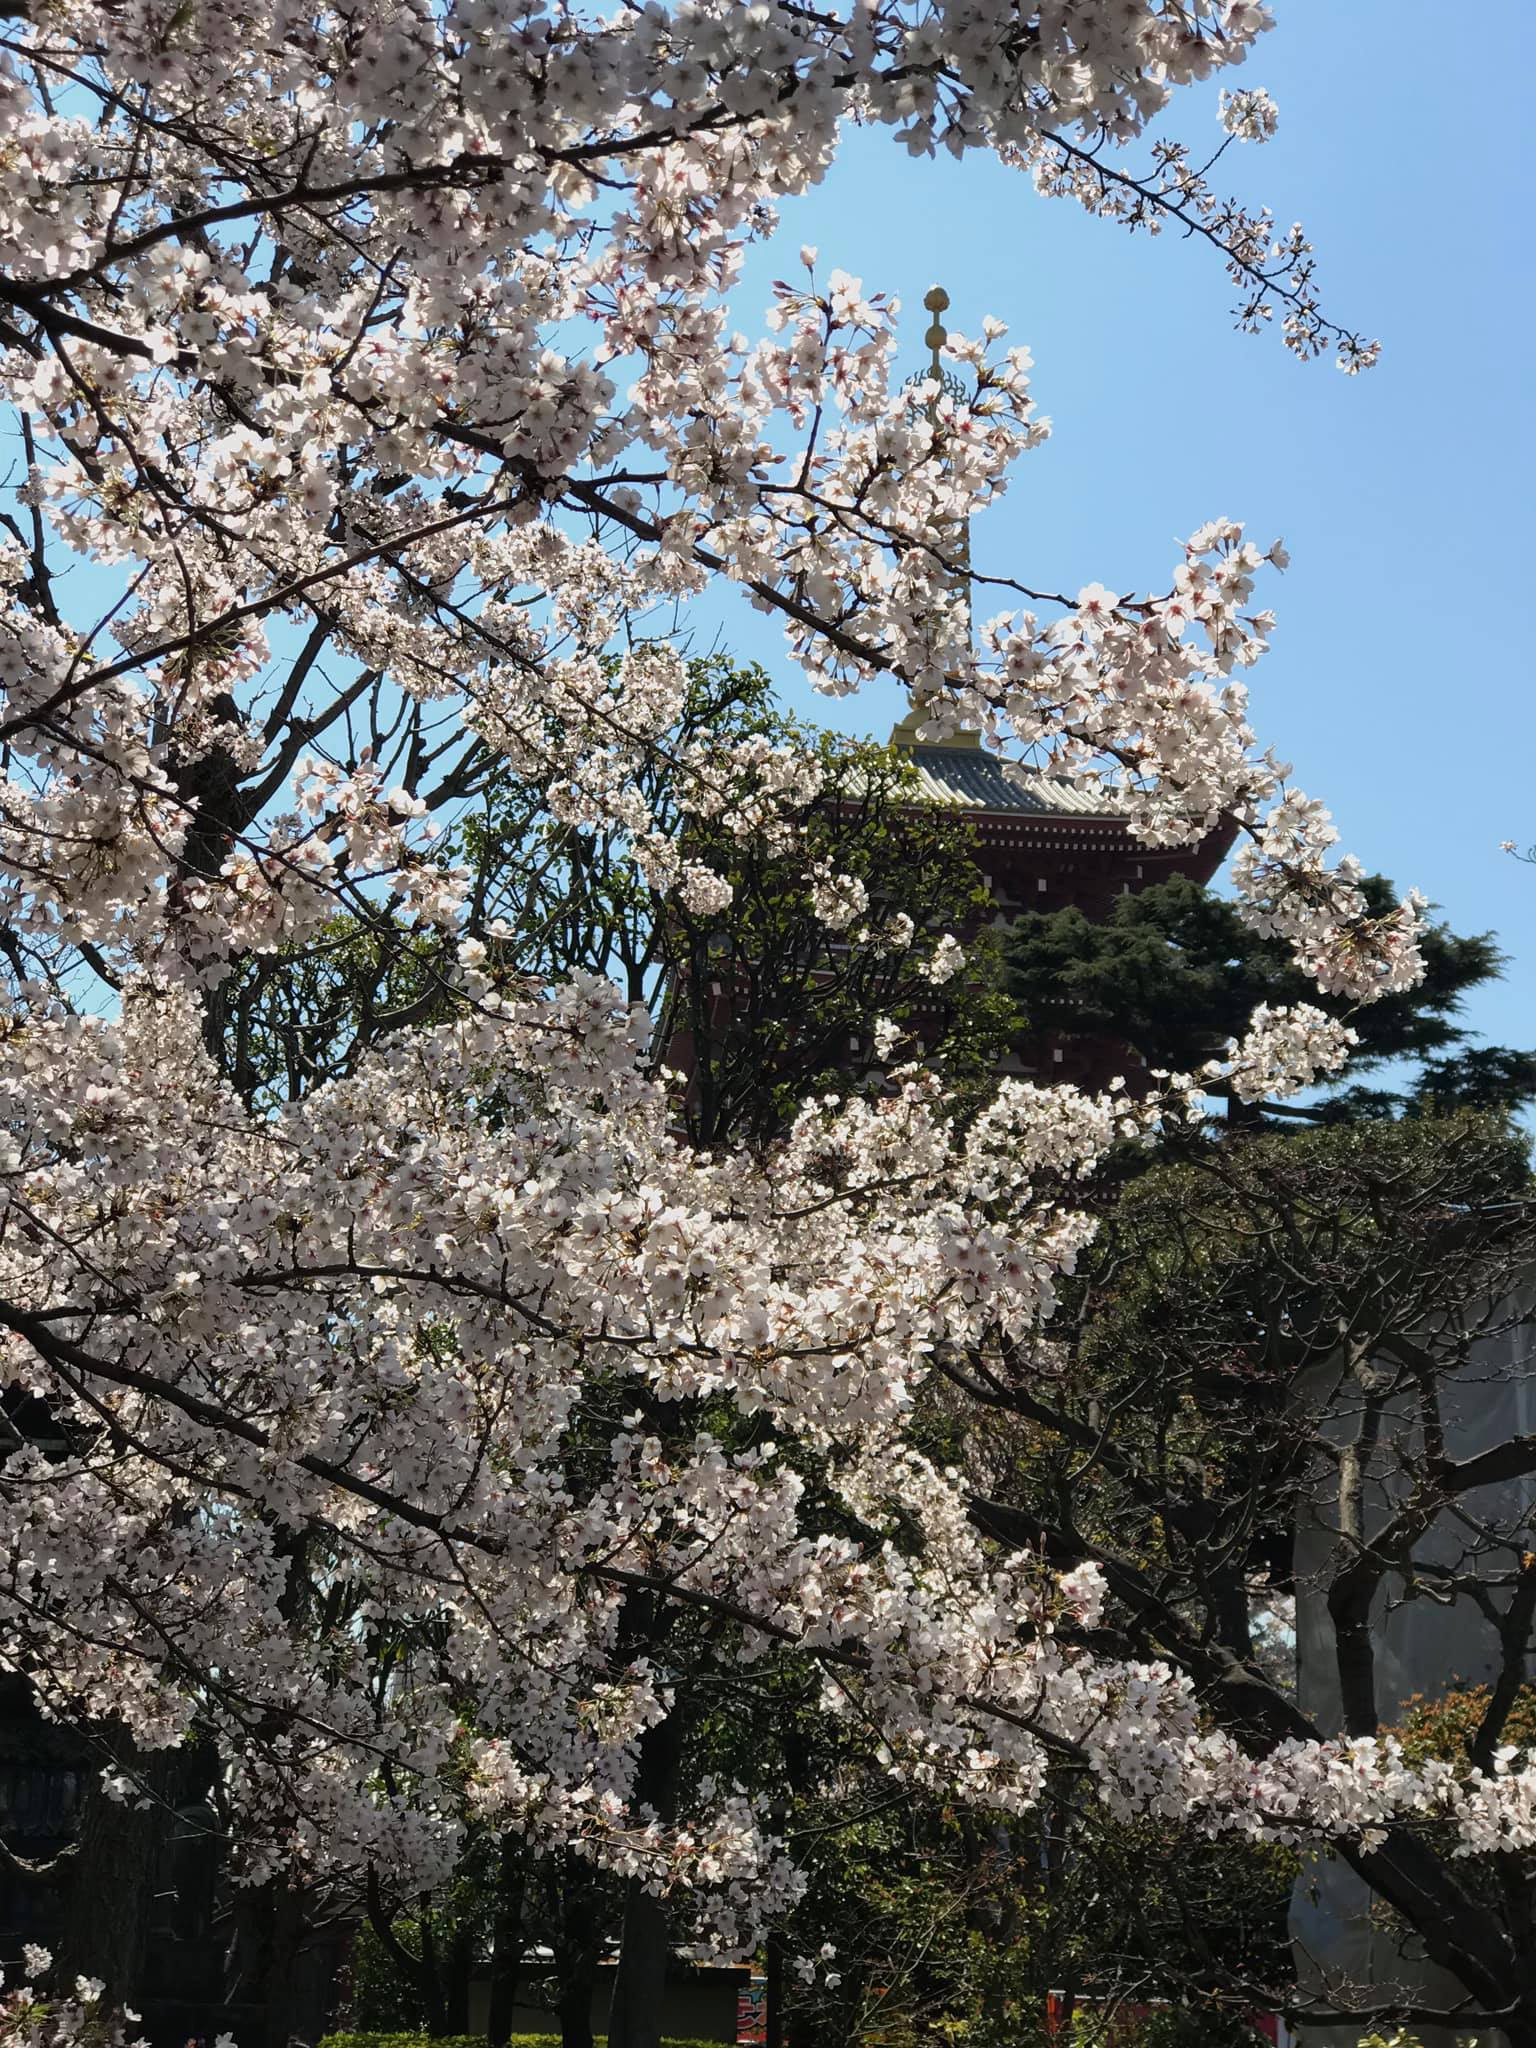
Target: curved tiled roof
x: 977, y: 780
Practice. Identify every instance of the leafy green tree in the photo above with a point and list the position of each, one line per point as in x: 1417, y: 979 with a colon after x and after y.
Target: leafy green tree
x: 1266, y: 1323
x: 951, y: 1927
x: 759, y: 1000
x: 1174, y: 972
x: 772, y: 1004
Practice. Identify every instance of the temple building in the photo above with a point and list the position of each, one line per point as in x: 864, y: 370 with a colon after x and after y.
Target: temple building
x: 1044, y: 844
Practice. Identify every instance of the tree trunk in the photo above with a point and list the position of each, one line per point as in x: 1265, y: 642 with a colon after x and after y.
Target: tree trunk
x: 284, y: 1989
x: 774, y: 2030
x: 419, y: 1971
x: 640, y: 1988
x: 506, y: 1941
x: 458, y: 1968
x: 576, y: 1954
x: 430, y: 1978
x: 264, y: 1967
x: 109, y: 1898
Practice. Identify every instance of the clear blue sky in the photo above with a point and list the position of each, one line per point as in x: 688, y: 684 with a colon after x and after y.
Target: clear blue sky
x: 1400, y: 681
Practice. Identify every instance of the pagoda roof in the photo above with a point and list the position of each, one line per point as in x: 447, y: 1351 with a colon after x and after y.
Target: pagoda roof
x: 962, y: 772
x: 973, y: 779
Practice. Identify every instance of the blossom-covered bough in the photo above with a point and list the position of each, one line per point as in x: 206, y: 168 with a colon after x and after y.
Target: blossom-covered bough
x: 375, y: 375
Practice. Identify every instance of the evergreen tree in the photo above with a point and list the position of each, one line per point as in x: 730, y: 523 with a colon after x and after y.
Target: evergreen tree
x: 1174, y: 973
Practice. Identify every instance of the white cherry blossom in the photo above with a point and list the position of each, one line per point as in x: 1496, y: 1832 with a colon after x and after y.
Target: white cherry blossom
x: 385, y: 393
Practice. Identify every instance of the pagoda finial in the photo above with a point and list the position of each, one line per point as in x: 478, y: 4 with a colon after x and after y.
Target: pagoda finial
x: 937, y: 303
x: 937, y: 338
x: 943, y: 383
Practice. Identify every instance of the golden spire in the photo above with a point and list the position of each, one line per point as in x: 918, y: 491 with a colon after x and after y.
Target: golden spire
x: 937, y: 303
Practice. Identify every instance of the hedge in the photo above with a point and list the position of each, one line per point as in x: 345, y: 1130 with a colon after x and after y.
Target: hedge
x: 470, y: 2041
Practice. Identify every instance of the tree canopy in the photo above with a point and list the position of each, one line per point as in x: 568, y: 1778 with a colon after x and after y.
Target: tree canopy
x: 431, y: 1403
x: 1175, y: 971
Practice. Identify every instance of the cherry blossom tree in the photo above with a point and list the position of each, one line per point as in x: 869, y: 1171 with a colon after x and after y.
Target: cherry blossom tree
x: 378, y: 1413
x: 1282, y: 1409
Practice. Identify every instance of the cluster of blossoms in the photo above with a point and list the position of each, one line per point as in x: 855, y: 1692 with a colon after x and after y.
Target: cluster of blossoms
x: 380, y: 418
x: 463, y: 1282
x: 1288, y: 889
x: 185, y: 1269
x: 947, y: 961
x: 838, y: 900
x: 1284, y: 1048
x: 31, y: 2018
x: 315, y: 322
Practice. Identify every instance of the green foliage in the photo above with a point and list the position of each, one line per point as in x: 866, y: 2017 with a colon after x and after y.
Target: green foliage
x: 952, y: 1927
x: 563, y: 898
x: 285, y: 1022
x: 1444, y: 1729
x: 1164, y: 2027
x: 413, y: 2040
x: 381, y: 1997
x: 1174, y: 972
x: 413, y: 1958
x: 1206, y: 1229
x: 1401, y: 2038
x: 773, y: 1006
x: 366, y: 2039
x: 759, y: 1002
x: 1483, y: 1077
x: 569, y: 897
x: 1191, y: 1254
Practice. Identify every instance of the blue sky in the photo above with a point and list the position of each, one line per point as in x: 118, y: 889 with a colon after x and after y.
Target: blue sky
x: 1400, y: 682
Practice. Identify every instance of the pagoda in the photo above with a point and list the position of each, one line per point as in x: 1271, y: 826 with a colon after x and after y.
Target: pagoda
x: 1042, y: 842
